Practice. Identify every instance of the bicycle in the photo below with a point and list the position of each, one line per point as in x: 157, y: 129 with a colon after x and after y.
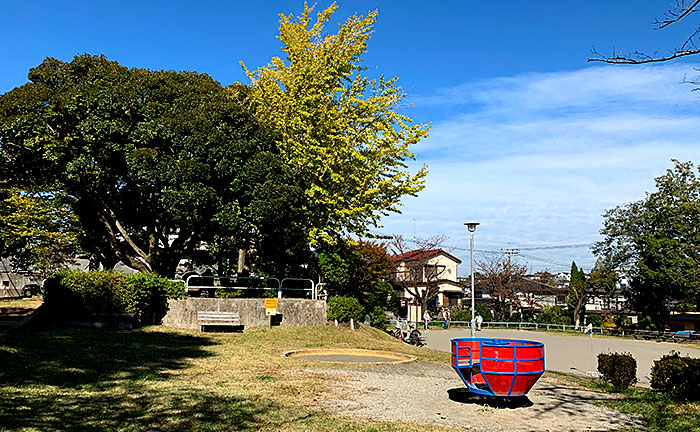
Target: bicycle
x: 411, y: 335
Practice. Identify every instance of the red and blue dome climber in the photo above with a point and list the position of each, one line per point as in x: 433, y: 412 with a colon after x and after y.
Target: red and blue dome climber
x: 498, y: 367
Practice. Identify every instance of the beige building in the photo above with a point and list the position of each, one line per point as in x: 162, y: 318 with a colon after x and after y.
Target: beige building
x: 417, y: 270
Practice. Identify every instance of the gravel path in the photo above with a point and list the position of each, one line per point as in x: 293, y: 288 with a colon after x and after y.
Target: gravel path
x: 434, y: 395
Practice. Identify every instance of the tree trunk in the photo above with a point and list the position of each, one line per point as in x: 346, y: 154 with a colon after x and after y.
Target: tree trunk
x: 241, y: 270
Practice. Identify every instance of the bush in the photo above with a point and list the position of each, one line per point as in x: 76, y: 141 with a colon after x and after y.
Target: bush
x: 677, y: 376
x: 80, y: 293
x: 623, y: 321
x: 595, y: 319
x: 465, y: 313
x: 553, y: 315
x: 620, y: 370
x: 228, y: 293
x: 344, y: 308
x: 149, y: 294
x: 461, y: 315
x: 379, y: 318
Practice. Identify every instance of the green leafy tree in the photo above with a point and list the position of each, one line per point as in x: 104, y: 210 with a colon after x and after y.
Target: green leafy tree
x: 604, y: 278
x: 358, y: 269
x: 154, y: 162
x: 339, y: 132
x: 38, y: 229
x: 656, y: 242
x: 578, y: 293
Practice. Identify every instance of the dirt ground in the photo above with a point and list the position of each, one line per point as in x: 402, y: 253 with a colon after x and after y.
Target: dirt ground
x: 435, y: 395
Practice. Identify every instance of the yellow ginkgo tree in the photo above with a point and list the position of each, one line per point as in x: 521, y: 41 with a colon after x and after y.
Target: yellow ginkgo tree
x: 340, y: 132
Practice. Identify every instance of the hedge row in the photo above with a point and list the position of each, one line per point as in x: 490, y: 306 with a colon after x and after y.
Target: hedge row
x: 80, y: 293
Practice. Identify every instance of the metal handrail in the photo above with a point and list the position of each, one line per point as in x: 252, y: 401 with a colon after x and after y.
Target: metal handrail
x: 313, y: 286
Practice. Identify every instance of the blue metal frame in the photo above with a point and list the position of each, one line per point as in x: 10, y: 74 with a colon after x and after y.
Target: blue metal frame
x: 493, y: 342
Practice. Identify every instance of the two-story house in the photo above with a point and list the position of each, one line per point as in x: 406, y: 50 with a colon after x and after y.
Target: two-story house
x: 421, y: 270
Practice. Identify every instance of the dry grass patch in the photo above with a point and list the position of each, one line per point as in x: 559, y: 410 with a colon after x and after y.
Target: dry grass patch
x: 20, y: 307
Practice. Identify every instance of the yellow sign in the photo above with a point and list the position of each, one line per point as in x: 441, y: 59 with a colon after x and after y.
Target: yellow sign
x: 271, y: 303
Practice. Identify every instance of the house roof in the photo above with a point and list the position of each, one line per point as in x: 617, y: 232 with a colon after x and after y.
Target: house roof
x: 420, y: 254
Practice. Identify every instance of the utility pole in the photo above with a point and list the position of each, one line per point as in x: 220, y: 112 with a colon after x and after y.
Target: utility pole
x: 511, y: 253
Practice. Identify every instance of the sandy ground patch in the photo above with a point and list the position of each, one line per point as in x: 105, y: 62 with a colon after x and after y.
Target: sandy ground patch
x: 434, y: 395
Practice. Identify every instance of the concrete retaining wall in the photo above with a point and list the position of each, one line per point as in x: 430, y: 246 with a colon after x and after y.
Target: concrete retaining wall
x: 182, y: 313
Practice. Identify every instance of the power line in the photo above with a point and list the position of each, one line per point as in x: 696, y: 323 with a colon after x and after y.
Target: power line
x: 545, y: 260
x: 511, y: 252
x: 569, y: 246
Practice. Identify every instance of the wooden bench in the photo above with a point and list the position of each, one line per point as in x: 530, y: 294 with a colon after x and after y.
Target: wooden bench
x: 218, y: 319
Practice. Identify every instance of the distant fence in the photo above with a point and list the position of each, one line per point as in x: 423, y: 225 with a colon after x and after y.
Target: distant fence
x: 682, y: 336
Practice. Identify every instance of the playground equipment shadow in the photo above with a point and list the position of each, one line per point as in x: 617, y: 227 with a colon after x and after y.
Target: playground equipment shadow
x: 464, y: 396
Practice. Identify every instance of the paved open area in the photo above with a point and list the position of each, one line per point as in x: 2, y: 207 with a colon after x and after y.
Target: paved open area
x: 574, y: 354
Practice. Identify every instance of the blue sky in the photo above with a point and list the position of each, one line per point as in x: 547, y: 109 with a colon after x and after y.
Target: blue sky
x: 527, y: 137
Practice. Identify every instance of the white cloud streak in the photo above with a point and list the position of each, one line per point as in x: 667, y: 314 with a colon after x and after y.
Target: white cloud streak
x: 537, y: 158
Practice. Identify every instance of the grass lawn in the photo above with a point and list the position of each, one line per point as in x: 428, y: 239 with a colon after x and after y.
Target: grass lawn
x: 660, y: 412
x: 163, y: 379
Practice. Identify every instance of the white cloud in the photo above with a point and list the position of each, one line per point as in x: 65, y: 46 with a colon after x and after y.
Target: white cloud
x: 538, y: 158
x: 582, y: 88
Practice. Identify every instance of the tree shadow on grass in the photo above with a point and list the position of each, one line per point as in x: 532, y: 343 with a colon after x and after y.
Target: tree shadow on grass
x: 72, y: 358
x: 146, y: 409
x: 105, y: 380
x: 463, y: 395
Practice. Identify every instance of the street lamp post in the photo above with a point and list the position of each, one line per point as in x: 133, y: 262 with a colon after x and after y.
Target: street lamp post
x: 471, y: 226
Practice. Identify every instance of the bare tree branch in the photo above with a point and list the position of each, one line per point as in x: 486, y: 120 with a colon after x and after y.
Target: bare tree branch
x: 688, y: 47
x: 673, y: 16
x: 638, y: 57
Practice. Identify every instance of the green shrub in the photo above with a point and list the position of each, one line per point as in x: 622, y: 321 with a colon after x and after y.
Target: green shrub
x: 677, y: 376
x: 623, y: 321
x: 344, y: 308
x: 460, y: 315
x: 379, y: 318
x: 553, y: 315
x: 79, y: 293
x: 228, y: 293
x: 149, y: 294
x: 620, y: 370
x: 270, y: 293
x: 595, y: 319
x: 465, y: 313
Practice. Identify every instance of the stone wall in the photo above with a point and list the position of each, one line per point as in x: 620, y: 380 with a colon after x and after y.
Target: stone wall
x: 182, y: 313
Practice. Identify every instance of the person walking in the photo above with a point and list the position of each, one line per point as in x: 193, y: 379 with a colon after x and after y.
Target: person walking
x: 478, y: 320
x: 426, y: 319
x: 446, y: 315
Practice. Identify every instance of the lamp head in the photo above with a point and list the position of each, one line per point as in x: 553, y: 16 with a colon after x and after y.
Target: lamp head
x: 471, y: 226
